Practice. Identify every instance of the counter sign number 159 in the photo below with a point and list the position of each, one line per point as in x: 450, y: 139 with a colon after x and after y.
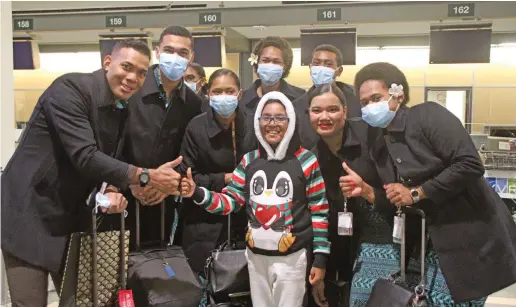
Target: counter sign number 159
x: 116, y: 21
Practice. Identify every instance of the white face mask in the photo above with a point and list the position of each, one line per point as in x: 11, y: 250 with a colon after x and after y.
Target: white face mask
x: 192, y: 85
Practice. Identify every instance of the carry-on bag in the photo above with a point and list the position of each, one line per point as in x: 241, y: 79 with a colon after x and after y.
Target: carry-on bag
x: 395, y: 291
x: 162, y: 276
x: 226, y: 271
x: 96, y: 263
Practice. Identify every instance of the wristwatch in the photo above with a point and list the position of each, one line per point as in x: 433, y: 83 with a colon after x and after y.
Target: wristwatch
x: 144, y: 178
x: 414, y: 193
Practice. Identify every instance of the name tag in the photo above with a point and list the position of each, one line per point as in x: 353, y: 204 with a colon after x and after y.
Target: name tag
x: 345, y: 224
x: 397, y: 232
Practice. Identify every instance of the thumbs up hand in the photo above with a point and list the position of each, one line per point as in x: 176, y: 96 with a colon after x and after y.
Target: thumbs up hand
x: 187, y: 184
x: 352, y: 184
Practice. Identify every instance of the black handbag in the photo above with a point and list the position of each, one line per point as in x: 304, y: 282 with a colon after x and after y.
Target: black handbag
x: 162, y: 276
x: 395, y: 291
x: 226, y: 271
x: 95, y: 267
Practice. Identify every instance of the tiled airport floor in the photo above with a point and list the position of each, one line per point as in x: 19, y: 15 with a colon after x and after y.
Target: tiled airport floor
x: 504, y: 298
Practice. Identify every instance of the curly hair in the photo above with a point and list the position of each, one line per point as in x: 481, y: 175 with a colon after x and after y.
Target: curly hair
x: 384, y: 72
x: 281, y: 44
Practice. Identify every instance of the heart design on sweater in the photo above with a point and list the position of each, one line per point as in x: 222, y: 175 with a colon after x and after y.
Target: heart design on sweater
x: 267, y: 215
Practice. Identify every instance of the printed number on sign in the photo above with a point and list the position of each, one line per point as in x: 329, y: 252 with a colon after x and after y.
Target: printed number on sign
x: 330, y: 14
x: 460, y: 10
x: 116, y: 21
x: 23, y: 24
x: 210, y: 18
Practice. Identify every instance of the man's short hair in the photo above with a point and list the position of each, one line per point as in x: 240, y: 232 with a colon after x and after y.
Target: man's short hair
x: 135, y: 44
x: 177, y: 31
x: 332, y: 49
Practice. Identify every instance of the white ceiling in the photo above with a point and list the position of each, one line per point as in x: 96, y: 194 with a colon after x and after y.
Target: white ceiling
x: 52, y: 5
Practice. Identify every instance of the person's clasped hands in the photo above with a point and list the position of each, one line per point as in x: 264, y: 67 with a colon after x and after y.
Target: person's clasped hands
x: 164, y: 181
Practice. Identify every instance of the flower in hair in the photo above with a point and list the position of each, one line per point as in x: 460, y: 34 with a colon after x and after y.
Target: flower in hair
x: 253, y: 59
x: 396, y: 90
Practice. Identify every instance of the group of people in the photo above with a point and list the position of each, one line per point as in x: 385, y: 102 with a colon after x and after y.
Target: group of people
x: 291, y: 168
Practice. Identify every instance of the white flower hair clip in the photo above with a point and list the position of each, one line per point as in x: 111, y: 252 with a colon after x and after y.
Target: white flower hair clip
x: 396, y: 90
x: 253, y: 59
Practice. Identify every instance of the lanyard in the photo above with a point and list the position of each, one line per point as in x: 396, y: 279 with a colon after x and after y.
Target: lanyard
x: 233, y: 132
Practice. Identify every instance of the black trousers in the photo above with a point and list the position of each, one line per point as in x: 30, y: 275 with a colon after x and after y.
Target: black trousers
x: 28, y: 284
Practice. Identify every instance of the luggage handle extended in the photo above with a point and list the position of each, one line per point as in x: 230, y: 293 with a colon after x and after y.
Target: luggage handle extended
x: 162, y: 223
x: 420, y: 288
x: 94, y: 247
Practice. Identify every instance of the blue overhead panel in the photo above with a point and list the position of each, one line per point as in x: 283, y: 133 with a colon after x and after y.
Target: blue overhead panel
x: 107, y: 43
x: 460, y: 44
x: 25, y: 55
x: 208, y: 50
x: 345, y: 39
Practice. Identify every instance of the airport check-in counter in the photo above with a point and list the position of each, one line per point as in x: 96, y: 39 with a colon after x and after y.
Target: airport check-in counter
x: 497, y: 148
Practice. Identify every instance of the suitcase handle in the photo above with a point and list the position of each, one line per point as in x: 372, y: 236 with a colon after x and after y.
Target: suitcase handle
x: 162, y: 222
x: 409, y: 209
x: 94, y: 247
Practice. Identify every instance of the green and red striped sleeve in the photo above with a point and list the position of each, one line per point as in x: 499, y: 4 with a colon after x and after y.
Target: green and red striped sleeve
x: 318, y: 205
x: 232, y: 196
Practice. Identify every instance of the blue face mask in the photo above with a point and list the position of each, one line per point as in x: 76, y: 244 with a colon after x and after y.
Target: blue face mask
x: 269, y: 73
x: 322, y: 75
x: 192, y: 86
x: 378, y: 114
x: 224, y: 105
x: 173, y: 66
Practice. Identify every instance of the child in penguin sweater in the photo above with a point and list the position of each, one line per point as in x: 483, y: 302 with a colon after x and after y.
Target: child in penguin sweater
x: 281, y: 187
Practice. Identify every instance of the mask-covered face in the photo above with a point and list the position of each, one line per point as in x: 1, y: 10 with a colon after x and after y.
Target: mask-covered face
x: 224, y: 105
x: 378, y: 114
x: 173, y: 66
x: 269, y: 73
x: 192, y: 85
x: 322, y: 75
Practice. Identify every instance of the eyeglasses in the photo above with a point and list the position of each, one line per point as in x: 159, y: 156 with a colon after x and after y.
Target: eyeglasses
x: 281, y: 119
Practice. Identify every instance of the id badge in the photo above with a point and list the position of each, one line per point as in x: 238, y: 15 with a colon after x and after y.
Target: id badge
x: 397, y: 232
x: 345, y: 224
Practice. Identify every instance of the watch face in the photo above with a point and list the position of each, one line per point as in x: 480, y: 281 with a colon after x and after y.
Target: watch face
x: 144, y: 178
x: 414, y: 193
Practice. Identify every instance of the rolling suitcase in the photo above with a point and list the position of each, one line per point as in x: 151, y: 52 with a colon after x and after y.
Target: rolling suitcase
x: 96, y: 263
x: 395, y: 291
x: 161, y: 276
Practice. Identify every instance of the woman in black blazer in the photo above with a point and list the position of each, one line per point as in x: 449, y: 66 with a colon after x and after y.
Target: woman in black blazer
x: 426, y: 158
x: 343, y: 140
x: 212, y: 147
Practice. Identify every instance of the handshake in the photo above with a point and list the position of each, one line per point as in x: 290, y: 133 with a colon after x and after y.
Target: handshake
x: 164, y: 181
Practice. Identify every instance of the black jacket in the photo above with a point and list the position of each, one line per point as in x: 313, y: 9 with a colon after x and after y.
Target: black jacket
x: 355, y: 152
x: 308, y: 135
x: 249, y: 102
x: 64, y: 152
x: 154, y: 136
x: 470, y: 226
x: 208, y: 150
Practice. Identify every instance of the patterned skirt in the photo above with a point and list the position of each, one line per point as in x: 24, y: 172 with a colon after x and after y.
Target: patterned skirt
x: 380, y: 260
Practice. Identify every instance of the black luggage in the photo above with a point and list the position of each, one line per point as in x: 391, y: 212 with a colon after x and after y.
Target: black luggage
x: 227, y: 273
x: 162, y: 276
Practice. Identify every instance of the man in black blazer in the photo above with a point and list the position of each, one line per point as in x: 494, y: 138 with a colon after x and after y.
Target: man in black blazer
x: 69, y: 147
x: 160, y: 113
